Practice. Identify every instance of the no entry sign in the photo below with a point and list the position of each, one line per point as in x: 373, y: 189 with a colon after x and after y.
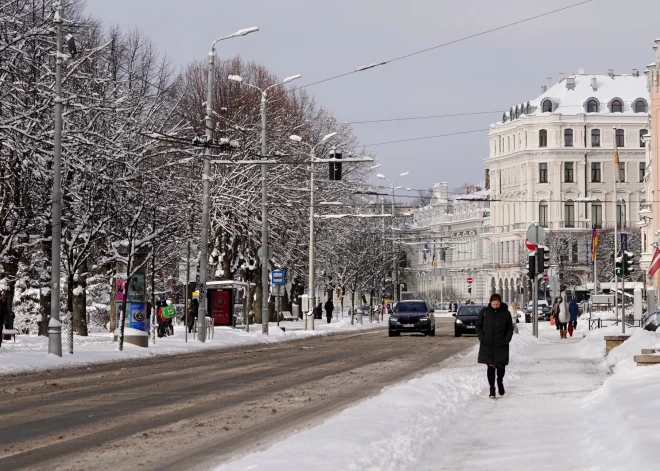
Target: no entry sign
x: 545, y: 277
x: 469, y: 280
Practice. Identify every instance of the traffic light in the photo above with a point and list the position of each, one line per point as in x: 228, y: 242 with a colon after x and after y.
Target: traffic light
x: 628, y: 266
x: 543, y: 254
x: 618, y: 265
x: 469, y: 289
x: 335, y: 167
x: 531, y: 267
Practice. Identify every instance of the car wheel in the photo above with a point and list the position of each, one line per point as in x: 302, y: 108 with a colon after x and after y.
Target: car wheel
x: 432, y: 332
x: 457, y: 333
x: 393, y: 333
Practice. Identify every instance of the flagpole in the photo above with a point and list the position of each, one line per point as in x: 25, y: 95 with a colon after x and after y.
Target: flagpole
x: 616, y: 239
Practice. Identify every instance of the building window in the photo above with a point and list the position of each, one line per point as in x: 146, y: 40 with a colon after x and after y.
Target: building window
x: 574, y: 251
x: 568, y: 137
x: 543, y: 173
x: 622, y: 172
x: 620, y: 140
x: 592, y: 106
x: 640, y: 106
x: 543, y: 213
x: 642, y: 205
x: 642, y: 133
x: 568, y: 172
x: 597, y: 214
x: 595, y: 172
x: 617, y: 106
x: 569, y: 214
x: 642, y: 171
x: 543, y: 138
x: 547, y: 106
x: 595, y: 138
x: 621, y: 213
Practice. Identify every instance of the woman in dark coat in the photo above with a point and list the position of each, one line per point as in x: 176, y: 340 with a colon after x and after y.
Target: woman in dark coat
x: 495, y: 331
x: 329, y: 307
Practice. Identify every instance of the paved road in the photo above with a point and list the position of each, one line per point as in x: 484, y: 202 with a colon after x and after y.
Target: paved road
x: 194, y: 410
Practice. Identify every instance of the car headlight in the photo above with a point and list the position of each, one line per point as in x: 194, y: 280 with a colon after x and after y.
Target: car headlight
x: 423, y: 318
x: 458, y: 321
x: 393, y: 319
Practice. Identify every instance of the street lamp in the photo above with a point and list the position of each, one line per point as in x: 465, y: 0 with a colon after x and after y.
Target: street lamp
x: 203, y: 262
x: 312, y: 148
x: 395, y: 261
x: 264, y: 251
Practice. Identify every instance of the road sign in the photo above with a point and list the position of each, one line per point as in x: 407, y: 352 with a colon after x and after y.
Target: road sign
x: 277, y: 277
x: 278, y: 291
x: 545, y: 277
x: 624, y: 241
x: 529, y: 245
x: 536, y: 234
x: 469, y: 280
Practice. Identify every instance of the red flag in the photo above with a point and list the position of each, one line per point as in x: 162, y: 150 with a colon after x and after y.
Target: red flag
x: 655, y: 262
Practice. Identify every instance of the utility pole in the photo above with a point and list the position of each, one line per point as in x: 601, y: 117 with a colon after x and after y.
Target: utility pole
x: 54, y: 325
x: 310, y: 319
x: 616, y: 238
x: 395, y: 268
x: 264, y: 223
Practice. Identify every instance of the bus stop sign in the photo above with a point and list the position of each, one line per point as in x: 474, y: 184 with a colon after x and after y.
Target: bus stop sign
x: 277, y: 277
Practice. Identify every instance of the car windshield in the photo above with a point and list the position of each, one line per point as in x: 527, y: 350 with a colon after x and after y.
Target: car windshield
x: 472, y: 310
x: 411, y: 306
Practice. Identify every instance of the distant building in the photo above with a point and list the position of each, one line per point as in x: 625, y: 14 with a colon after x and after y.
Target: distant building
x: 447, y: 247
x: 551, y: 161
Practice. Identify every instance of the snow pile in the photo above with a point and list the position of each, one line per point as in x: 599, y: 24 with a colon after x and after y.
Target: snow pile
x: 29, y: 352
x: 625, y: 412
x: 391, y: 430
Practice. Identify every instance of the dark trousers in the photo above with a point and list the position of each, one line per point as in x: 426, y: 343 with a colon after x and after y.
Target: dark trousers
x: 501, y: 369
x: 2, y: 326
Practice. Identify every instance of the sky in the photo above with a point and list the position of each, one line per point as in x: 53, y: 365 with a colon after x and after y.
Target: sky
x: 492, y: 72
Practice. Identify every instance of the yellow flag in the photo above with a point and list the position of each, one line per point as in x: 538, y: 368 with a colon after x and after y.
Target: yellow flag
x: 617, y: 172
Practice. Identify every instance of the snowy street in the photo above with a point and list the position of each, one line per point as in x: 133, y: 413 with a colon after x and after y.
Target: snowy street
x: 553, y: 416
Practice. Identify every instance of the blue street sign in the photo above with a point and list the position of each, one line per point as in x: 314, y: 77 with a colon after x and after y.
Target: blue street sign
x: 277, y: 277
x: 624, y: 241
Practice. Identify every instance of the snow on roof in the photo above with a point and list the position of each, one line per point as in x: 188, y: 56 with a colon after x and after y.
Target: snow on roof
x: 571, y: 101
x: 477, y: 195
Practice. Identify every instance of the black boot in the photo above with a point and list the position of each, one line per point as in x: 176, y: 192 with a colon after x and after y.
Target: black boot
x: 500, y: 387
x: 500, y: 380
x: 491, y: 381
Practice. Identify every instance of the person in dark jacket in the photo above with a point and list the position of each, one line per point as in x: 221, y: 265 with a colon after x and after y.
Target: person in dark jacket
x: 318, y: 312
x: 329, y: 307
x: 574, y: 312
x: 4, y: 314
x: 495, y: 331
x: 194, y: 312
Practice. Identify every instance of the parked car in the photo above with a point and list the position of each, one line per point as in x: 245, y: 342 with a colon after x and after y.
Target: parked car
x: 543, y: 311
x: 412, y: 316
x: 466, y: 319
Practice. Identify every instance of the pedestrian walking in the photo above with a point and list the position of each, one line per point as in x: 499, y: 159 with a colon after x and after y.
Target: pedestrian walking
x: 329, y: 307
x: 318, y: 312
x: 4, y: 314
x: 495, y: 331
x: 574, y: 311
x: 194, y: 313
x: 564, y: 317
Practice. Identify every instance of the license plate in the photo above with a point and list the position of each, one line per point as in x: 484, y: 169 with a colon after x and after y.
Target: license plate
x: 470, y: 327
x: 408, y: 325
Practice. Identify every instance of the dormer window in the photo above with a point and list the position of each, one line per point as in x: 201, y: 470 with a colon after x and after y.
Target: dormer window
x: 547, y: 106
x: 592, y: 106
x: 640, y: 106
x: 617, y: 106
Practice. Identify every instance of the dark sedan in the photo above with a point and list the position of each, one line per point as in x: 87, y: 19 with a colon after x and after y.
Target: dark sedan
x: 412, y: 316
x: 466, y: 319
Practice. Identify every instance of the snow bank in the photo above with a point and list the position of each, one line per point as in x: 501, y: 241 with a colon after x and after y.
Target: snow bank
x: 389, y: 431
x: 29, y: 352
x: 625, y: 412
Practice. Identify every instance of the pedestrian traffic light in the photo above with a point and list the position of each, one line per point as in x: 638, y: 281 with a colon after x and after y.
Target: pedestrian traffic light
x: 543, y: 254
x: 469, y: 289
x: 531, y: 267
x: 618, y: 262
x: 628, y: 261
x: 335, y: 167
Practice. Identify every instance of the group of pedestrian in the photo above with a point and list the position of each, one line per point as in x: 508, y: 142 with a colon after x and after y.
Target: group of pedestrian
x: 565, y: 316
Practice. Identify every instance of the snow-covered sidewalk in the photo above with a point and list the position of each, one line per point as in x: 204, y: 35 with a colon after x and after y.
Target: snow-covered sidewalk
x: 556, y: 415
x: 30, y: 352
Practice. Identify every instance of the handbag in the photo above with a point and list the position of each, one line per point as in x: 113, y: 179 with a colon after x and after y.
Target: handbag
x: 570, y: 329
x: 552, y: 320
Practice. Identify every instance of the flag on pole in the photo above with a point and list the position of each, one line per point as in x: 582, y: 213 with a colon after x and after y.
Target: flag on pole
x: 655, y: 262
x: 617, y: 172
x: 434, y: 263
x: 427, y: 250
x: 594, y: 243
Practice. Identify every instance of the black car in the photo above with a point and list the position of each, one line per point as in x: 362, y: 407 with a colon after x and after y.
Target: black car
x: 466, y: 319
x: 412, y: 316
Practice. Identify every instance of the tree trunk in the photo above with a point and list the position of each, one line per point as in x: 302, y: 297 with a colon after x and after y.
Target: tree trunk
x: 113, y: 304
x: 80, y: 303
x: 257, y: 293
x: 44, y: 275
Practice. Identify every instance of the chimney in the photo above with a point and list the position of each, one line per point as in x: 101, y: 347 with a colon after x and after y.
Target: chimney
x: 570, y: 83
x: 549, y: 83
x: 610, y: 72
x: 635, y: 73
x: 580, y: 71
x: 543, y: 89
x: 561, y: 77
x: 594, y: 84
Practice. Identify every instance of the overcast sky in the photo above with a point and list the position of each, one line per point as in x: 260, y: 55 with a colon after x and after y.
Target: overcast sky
x: 320, y: 39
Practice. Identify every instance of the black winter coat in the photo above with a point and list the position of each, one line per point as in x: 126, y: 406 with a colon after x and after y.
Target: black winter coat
x: 329, y: 307
x: 495, y: 330
x: 4, y: 315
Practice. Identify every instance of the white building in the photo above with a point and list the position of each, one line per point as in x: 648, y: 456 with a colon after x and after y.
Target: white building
x: 551, y: 161
x: 447, y: 237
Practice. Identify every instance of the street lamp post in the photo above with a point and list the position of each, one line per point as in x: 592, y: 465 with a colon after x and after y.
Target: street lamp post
x: 203, y: 262
x: 395, y: 265
x: 264, y: 253
x: 309, y: 320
